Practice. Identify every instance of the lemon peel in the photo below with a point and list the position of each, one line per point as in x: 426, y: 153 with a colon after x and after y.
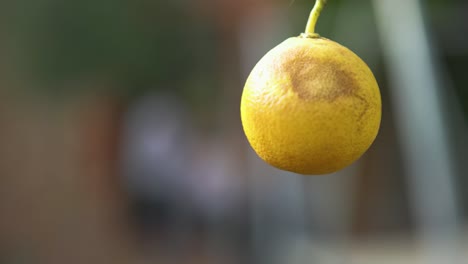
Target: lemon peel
x: 310, y: 105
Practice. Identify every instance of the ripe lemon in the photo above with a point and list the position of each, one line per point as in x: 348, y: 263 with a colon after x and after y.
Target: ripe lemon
x: 310, y: 106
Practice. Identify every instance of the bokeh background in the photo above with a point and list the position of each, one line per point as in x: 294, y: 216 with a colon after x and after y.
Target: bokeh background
x: 121, y: 142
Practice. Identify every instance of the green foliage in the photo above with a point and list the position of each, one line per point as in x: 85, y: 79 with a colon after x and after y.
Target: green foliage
x: 136, y: 45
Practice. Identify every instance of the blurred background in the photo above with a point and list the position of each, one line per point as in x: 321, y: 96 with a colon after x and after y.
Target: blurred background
x: 121, y: 142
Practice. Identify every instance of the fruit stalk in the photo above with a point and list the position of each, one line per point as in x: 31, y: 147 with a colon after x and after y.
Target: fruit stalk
x: 314, y: 15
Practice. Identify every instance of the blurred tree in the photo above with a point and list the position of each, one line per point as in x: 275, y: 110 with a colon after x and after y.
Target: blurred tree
x: 134, y: 45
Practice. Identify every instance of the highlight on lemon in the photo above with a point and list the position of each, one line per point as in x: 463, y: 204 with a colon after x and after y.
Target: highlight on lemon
x: 310, y: 105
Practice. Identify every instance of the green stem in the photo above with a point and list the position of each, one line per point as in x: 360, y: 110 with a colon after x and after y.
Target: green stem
x: 314, y: 15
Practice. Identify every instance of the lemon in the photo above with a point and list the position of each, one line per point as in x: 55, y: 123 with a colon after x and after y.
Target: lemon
x: 310, y: 106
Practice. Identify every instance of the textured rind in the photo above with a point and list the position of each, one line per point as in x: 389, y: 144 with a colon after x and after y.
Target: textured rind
x: 311, y: 106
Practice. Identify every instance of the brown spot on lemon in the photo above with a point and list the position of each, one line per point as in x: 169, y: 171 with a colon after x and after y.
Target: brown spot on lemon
x: 308, y: 82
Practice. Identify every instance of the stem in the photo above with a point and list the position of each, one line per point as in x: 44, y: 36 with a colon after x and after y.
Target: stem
x: 314, y: 15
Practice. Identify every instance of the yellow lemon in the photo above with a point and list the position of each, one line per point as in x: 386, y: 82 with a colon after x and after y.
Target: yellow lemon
x: 310, y: 106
